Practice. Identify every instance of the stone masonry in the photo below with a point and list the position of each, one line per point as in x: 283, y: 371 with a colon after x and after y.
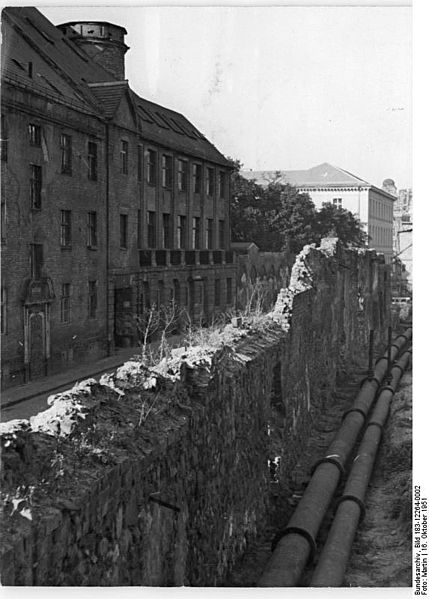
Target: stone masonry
x: 159, y: 476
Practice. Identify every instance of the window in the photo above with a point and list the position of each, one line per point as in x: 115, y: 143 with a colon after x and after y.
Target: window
x: 167, y: 171
x: 36, y: 260
x: 196, y: 233
x: 160, y: 295
x: 338, y: 202
x: 182, y: 175
x: 35, y: 133
x: 221, y: 234
x: 36, y: 186
x: 4, y: 138
x: 65, y: 303
x: 123, y: 230
x: 139, y: 163
x: 210, y: 181
x: 151, y: 167
x: 196, y: 177
x: 92, y: 229
x: 209, y: 232
x: 217, y: 292
x: 151, y: 229
x: 229, y: 291
x: 3, y: 220
x: 222, y: 184
x: 139, y: 229
x: 65, y: 229
x: 166, y: 230
x: 124, y: 157
x: 92, y: 161
x: 3, y: 323
x: 92, y: 299
x: 181, y: 232
x: 66, y: 153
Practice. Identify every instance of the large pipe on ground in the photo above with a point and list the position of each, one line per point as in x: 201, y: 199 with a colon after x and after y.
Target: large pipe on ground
x: 333, y: 560
x: 297, y: 542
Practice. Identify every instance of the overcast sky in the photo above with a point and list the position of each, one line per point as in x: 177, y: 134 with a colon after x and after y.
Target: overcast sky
x: 278, y: 87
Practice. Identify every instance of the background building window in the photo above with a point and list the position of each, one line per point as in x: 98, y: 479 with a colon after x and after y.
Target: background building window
x: 209, y: 234
x: 65, y: 229
x: 65, y: 302
x: 123, y: 230
x: 166, y: 230
x: 139, y: 163
x: 92, y: 299
x: 222, y: 234
x: 3, y: 316
x: 196, y: 234
x: 66, y: 153
x: 92, y: 229
x: 36, y: 186
x: 176, y: 292
x: 92, y: 161
x: 222, y: 184
x: 181, y: 232
x: 217, y: 292
x: 36, y: 260
x: 196, y: 176
x: 35, y: 134
x: 151, y: 229
x: 338, y: 202
x: 167, y: 171
x: 210, y: 181
x: 151, y: 167
x: 182, y: 175
x: 124, y: 157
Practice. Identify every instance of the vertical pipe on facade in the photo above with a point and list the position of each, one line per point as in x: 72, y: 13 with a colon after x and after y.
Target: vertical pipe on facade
x: 109, y: 339
x: 332, y: 563
x: 298, y: 540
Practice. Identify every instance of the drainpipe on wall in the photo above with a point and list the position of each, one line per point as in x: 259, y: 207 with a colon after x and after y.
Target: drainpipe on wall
x: 109, y: 337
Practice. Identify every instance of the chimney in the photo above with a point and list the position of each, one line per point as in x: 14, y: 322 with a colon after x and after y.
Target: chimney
x: 103, y: 42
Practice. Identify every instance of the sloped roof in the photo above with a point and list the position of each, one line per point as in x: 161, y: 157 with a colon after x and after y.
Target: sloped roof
x: 322, y: 175
x: 66, y: 71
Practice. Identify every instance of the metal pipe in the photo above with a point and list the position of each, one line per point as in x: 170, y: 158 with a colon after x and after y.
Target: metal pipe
x: 333, y: 560
x: 290, y: 553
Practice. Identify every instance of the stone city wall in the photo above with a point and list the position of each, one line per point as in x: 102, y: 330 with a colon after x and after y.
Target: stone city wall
x: 161, y: 476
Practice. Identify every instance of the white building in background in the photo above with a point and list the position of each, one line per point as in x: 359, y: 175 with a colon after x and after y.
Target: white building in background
x: 326, y: 183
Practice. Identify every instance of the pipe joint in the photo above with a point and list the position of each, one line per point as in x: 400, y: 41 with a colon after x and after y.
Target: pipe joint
x: 369, y: 379
x: 357, y: 500
x: 375, y: 423
x: 347, y: 412
x: 329, y: 460
x: 298, y: 531
x: 387, y: 388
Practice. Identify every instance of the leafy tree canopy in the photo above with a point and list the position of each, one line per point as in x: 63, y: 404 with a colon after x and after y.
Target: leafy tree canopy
x: 279, y: 217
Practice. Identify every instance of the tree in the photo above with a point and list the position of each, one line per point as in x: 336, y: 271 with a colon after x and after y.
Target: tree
x: 338, y: 222
x: 278, y: 217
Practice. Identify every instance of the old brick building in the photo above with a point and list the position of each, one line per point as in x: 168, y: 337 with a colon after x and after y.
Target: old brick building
x: 110, y: 203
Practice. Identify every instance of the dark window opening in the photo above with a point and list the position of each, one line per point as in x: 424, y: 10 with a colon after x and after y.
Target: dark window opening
x: 151, y: 229
x: 210, y: 181
x: 181, y: 232
x: 151, y: 167
x: 182, y: 175
x: 124, y: 157
x: 196, y: 233
x: 166, y: 230
x: 35, y: 133
x: 36, y: 186
x: 92, y: 161
x: 197, y: 179
x: 66, y: 153
x: 36, y: 260
x: 92, y: 229
x: 66, y: 229
x: 123, y: 231
x: 167, y: 171
x: 217, y: 292
x: 65, y: 303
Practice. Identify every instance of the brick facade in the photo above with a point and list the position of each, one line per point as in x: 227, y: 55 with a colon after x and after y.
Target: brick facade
x: 91, y: 220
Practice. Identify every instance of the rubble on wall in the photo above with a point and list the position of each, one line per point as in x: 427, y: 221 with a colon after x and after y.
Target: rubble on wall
x: 159, y: 476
